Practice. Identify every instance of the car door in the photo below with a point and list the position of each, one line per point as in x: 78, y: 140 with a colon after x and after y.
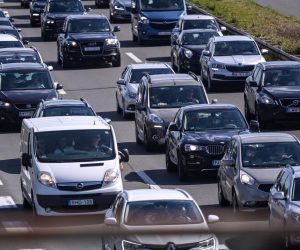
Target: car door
x: 140, y: 110
x: 122, y: 88
x: 282, y: 204
x: 252, y: 92
x: 61, y: 37
x: 204, y: 60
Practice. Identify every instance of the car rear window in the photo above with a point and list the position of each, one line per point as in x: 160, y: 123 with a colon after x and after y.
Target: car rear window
x: 67, y: 111
x: 137, y: 74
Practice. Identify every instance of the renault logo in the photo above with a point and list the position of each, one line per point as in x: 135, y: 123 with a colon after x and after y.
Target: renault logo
x: 80, y: 186
x: 171, y: 246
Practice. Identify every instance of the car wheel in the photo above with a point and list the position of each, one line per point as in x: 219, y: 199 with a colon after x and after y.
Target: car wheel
x: 222, y: 201
x: 58, y: 58
x: 203, y: 80
x: 172, y: 62
x: 25, y: 203
x: 134, y: 38
x: 44, y: 36
x: 111, y: 18
x: 235, y: 205
x: 258, y: 118
x: 34, y: 213
x: 64, y: 63
x: 182, y: 174
x: 124, y: 114
x: 140, y: 40
x: 147, y: 143
x: 170, y: 166
x: 137, y: 139
x: 210, y: 85
x: 22, y: 4
x: 117, y: 61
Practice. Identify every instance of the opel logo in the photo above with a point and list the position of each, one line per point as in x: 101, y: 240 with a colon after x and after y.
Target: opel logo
x: 80, y: 186
x: 171, y: 246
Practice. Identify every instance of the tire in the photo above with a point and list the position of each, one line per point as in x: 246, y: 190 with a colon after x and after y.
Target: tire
x: 117, y: 61
x: 134, y: 38
x: 44, y: 36
x: 204, y: 81
x: 181, y: 172
x: 26, y: 204
x: 172, y: 62
x: 58, y: 58
x: 124, y: 114
x: 179, y: 67
x: 235, y: 205
x: 148, y: 145
x: 258, y: 118
x: 64, y: 63
x: 170, y: 166
x: 137, y: 139
x: 210, y: 85
x: 140, y: 40
x: 32, y: 23
x: 222, y: 201
x: 119, y: 110
x: 112, y: 19
x: 22, y: 4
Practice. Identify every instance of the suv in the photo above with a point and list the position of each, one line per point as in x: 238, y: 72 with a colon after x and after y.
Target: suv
x: 284, y: 202
x: 20, y: 55
x: 64, y: 108
x: 54, y: 14
x: 229, y: 60
x: 188, y: 22
x: 23, y: 86
x: 36, y: 8
x: 158, y: 100
x: 129, y: 82
x: 272, y: 92
x: 250, y: 167
x: 88, y: 38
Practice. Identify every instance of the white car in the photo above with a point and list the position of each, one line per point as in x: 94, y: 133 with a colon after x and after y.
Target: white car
x: 10, y: 41
x: 170, y: 214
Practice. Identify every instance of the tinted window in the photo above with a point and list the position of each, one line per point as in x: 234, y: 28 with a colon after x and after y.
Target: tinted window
x: 68, y: 111
x: 137, y: 74
x: 172, y: 212
x: 200, y: 24
x: 197, y: 38
x: 228, y: 48
x: 89, y: 26
x: 39, y: 3
x: 65, y: 6
x: 5, y: 22
x: 282, y: 77
x: 2, y: 14
x: 70, y: 146
x: 11, y: 57
x: 13, y: 32
x: 296, y: 190
x: 216, y: 119
x: 153, y: 5
x: 11, y: 44
x: 175, y: 96
x: 270, y: 154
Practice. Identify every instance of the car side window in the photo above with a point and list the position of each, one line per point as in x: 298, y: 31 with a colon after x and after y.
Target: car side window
x: 280, y: 185
x: 178, y: 119
x: 124, y: 73
x: 119, y: 208
x: 287, y: 185
x: 257, y: 77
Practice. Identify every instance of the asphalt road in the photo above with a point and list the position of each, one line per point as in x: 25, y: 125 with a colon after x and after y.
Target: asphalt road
x: 97, y: 85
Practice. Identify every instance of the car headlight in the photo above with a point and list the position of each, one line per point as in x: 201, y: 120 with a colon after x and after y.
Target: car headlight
x: 192, y: 147
x: 267, y: 100
x: 295, y: 217
x: 128, y: 245
x: 246, y: 178
x: 46, y: 179
x: 209, y: 244
x: 119, y: 7
x: 49, y: 21
x: 217, y: 66
x: 144, y: 20
x: 155, y: 119
x: 188, y: 53
x: 110, y: 176
x: 132, y: 95
x: 4, y: 104
x: 71, y: 43
x: 111, y: 41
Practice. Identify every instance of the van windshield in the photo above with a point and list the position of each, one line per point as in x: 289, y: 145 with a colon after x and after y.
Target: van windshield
x: 74, y: 146
x: 162, y: 5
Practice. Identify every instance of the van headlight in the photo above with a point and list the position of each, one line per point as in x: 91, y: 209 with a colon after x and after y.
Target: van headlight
x: 128, y: 245
x: 144, y: 20
x: 188, y: 53
x: 110, y: 176
x: 46, y: 179
x: 246, y: 178
x: 209, y: 244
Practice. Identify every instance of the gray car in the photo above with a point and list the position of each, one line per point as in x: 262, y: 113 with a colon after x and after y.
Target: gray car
x: 250, y: 167
x: 119, y: 10
x: 284, y: 204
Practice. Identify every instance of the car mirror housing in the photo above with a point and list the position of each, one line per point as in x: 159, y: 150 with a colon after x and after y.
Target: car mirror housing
x: 59, y: 86
x: 223, y: 28
x: 264, y: 51
x: 173, y: 127
x: 108, y: 121
x: 124, y: 155
x: 206, y: 53
x: 214, y: 101
x: 213, y: 218
x: 25, y: 42
x: 110, y: 221
x: 50, y: 67
x: 117, y: 28
x: 278, y: 196
x: 228, y: 162
x: 121, y: 82
x: 254, y: 126
x: 11, y: 19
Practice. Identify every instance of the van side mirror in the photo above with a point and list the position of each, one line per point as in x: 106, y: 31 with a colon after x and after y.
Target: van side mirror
x: 228, y: 162
x: 110, y: 221
x: 26, y: 160
x: 121, y: 82
x: 254, y: 126
x: 117, y: 28
x: 173, y: 127
x: 59, y: 86
x: 278, y: 196
x: 124, y: 155
x: 206, y: 53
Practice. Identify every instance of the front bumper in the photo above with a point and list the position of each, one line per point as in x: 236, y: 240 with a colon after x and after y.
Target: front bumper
x: 225, y: 76
x: 121, y: 14
x: 157, y: 133
x: 13, y: 115
x: 147, y: 32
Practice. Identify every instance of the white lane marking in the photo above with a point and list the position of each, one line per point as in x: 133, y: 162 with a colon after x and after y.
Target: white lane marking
x: 133, y: 57
x: 147, y: 180
x: 1, y: 183
x: 16, y: 226
x: 7, y: 202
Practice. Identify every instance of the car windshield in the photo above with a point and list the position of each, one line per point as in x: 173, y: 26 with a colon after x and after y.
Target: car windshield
x: 167, y: 212
x: 2, y: 14
x: 15, y: 57
x: 15, y: 33
x: 231, y: 48
x: 137, y: 74
x: 68, y: 111
x: 5, y: 22
x: 215, y: 119
x: 282, y: 77
x: 88, y: 26
x: 25, y: 80
x: 74, y: 146
x: 197, y: 38
x: 39, y: 3
x: 162, y: 5
x: 200, y: 24
x: 175, y: 96
x: 270, y: 154
x: 10, y: 44
x: 296, y: 190
x: 65, y: 6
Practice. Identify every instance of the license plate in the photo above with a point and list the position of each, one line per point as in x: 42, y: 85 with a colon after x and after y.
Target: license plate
x: 241, y: 73
x: 216, y: 163
x: 166, y: 33
x: 92, y: 48
x: 87, y: 202
x: 25, y: 114
x: 293, y: 110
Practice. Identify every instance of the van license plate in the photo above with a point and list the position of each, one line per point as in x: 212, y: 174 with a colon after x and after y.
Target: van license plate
x: 26, y: 114
x: 293, y: 110
x: 87, y: 202
x: 216, y: 163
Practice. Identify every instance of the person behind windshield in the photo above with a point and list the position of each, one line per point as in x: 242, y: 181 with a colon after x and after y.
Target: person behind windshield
x: 251, y: 157
x: 178, y: 214
x: 279, y: 155
x: 189, y: 97
x: 41, y: 148
x: 63, y: 146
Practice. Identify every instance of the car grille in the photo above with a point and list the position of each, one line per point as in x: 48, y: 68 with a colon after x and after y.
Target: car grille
x: 265, y: 187
x: 234, y: 68
x: 175, y: 247
x: 128, y: 9
x: 290, y: 102
x: 84, y: 45
x: 59, y: 23
x: 215, y: 149
x: 163, y: 25
x: 26, y: 106
x: 79, y: 186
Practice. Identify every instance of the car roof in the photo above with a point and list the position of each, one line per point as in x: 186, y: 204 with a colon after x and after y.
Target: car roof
x: 60, y: 123
x: 156, y: 194
x: 280, y: 64
x: 266, y: 137
x: 208, y: 107
x: 89, y: 16
x: 14, y: 66
x: 172, y: 80
x: 7, y: 37
x: 232, y: 38
x: 149, y: 66
x: 64, y: 102
x: 197, y: 17
x: 16, y: 50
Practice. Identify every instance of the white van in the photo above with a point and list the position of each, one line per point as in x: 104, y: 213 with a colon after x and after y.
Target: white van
x: 69, y: 165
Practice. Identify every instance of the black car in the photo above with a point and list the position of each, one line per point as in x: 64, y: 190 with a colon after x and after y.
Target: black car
x: 102, y: 3
x: 197, y: 138
x: 119, y: 10
x: 20, y: 55
x: 158, y: 99
x: 54, y: 14
x: 88, y: 38
x: 36, y: 8
x: 272, y: 92
x: 186, y: 50
x: 25, y: 3
x: 23, y: 86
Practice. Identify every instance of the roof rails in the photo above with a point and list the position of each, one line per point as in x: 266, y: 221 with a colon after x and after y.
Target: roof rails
x: 195, y: 77
x: 183, y: 192
x: 84, y: 101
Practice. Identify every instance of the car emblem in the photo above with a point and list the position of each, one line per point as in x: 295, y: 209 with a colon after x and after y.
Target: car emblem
x: 171, y: 246
x: 80, y: 186
x: 92, y: 44
x: 28, y: 106
x: 165, y: 22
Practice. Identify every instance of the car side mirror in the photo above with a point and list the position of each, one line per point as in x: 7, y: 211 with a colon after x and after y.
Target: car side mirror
x: 213, y: 218
x: 189, y: 7
x: 124, y: 155
x: 25, y: 42
x: 121, y: 82
x: 253, y: 84
x: 173, y: 127
x: 50, y: 67
x: 117, y: 28
x: 254, y: 126
x: 264, y: 51
x: 26, y: 160
x: 214, y: 101
x: 88, y: 9
x: 278, y: 196
x: 108, y: 121
x: 110, y: 221
x: 228, y: 162
x: 59, y: 86
x: 19, y: 30
x: 206, y: 53
x: 223, y: 28
x: 11, y: 19
x: 139, y: 106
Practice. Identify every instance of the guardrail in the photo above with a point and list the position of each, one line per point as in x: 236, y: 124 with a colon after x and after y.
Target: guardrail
x: 282, y: 55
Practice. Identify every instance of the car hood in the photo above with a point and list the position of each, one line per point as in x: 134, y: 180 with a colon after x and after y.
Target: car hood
x: 126, y: 3
x: 166, y: 114
x: 283, y: 92
x: 90, y: 36
x: 132, y: 87
x: 162, y: 15
x: 295, y: 206
x: 195, y: 48
x: 74, y: 172
x: 28, y: 96
x: 263, y: 175
x: 239, y: 59
x: 62, y: 15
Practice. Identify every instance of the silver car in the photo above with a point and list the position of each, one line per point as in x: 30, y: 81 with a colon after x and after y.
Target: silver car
x: 250, y: 167
x: 229, y: 59
x: 129, y: 81
x: 173, y: 218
